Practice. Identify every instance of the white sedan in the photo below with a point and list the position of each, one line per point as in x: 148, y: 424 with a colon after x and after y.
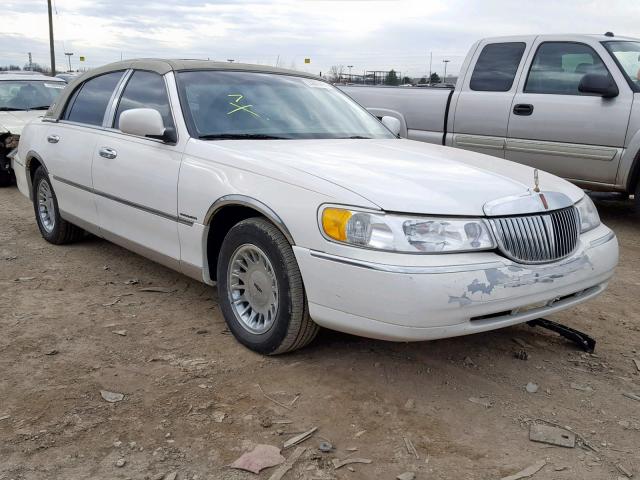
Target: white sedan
x: 24, y: 96
x: 303, y: 208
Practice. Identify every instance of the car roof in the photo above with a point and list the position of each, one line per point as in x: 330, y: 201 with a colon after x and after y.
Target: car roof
x: 564, y: 36
x: 19, y: 75
x: 163, y: 66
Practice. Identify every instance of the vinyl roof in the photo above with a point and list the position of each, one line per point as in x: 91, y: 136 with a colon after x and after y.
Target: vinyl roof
x: 162, y: 66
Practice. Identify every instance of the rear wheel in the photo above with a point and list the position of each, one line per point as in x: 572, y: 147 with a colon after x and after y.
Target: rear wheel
x: 53, y: 227
x: 260, y: 289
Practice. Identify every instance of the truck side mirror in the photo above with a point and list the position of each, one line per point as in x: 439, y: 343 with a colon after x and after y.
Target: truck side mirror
x: 392, y: 124
x: 599, y: 84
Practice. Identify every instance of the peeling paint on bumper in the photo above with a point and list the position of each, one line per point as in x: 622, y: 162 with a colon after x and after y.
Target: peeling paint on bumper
x: 409, y: 306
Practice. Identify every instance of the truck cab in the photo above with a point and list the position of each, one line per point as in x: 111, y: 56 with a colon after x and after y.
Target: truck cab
x: 561, y: 103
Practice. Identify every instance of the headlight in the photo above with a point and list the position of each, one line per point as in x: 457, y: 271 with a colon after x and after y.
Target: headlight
x: 410, y: 234
x: 589, y: 218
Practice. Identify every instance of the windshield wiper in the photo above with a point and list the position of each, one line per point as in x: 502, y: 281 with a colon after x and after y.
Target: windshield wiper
x: 41, y: 107
x: 353, y: 136
x: 11, y: 109
x: 240, y: 136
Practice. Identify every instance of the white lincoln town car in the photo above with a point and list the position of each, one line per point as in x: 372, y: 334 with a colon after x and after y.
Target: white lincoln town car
x: 303, y: 208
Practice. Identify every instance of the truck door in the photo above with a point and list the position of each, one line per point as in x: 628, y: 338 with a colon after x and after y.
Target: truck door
x: 482, y: 107
x: 555, y: 127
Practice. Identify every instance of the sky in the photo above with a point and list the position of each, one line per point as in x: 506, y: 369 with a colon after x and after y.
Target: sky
x: 368, y: 35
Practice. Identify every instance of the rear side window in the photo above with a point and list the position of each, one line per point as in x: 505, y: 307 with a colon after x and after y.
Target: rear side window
x: 558, y: 67
x: 90, y: 101
x: 145, y: 90
x: 496, y: 67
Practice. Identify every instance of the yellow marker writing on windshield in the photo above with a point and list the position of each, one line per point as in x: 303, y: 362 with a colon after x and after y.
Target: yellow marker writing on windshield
x: 244, y: 108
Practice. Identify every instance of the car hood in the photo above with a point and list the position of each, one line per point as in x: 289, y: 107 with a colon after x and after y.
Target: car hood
x: 14, y: 122
x: 402, y: 175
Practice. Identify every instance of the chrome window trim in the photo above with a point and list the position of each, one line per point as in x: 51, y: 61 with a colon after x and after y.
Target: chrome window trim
x: 107, y: 120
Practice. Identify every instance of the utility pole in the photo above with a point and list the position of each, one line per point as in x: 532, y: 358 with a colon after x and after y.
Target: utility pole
x: 350, y: 67
x: 68, y: 54
x: 30, y: 63
x: 51, y: 49
x: 444, y: 79
x: 430, y: 63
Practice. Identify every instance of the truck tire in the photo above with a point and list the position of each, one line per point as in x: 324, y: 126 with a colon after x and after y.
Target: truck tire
x: 53, y: 227
x: 260, y: 289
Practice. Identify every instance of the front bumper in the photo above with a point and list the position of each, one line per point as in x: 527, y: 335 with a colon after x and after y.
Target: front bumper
x: 428, y: 301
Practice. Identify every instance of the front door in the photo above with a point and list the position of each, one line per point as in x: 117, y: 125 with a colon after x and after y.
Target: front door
x: 555, y: 127
x: 136, y: 178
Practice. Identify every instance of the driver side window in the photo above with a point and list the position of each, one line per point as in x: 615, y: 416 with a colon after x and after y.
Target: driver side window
x: 558, y: 67
x: 145, y: 90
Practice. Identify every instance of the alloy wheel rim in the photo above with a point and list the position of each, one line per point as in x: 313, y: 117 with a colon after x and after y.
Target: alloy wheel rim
x: 253, y: 289
x: 46, y: 207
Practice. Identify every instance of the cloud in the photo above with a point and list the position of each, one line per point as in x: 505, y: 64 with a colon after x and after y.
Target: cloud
x: 379, y: 35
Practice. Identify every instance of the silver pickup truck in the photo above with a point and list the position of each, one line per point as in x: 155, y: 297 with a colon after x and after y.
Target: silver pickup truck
x: 567, y: 104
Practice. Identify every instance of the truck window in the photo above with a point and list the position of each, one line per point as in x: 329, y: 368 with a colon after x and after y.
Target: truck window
x: 558, y: 67
x: 496, y: 67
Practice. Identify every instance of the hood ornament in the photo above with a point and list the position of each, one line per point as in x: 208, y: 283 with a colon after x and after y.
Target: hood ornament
x: 536, y: 181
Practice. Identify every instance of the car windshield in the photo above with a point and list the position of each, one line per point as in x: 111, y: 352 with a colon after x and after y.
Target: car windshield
x: 627, y: 55
x: 28, y: 94
x: 261, y: 106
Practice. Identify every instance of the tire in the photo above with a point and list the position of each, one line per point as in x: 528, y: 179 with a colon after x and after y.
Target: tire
x: 53, y: 227
x: 244, y: 277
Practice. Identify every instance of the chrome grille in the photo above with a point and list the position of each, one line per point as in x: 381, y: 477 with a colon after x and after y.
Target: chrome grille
x: 538, y: 238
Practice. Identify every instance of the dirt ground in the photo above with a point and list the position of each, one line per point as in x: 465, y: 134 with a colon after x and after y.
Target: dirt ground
x: 194, y: 401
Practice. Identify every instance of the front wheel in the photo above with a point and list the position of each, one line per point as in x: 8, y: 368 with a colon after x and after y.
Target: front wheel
x: 53, y: 227
x: 260, y: 289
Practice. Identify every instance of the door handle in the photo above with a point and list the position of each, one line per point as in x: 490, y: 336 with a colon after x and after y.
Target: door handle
x: 53, y: 139
x: 525, y: 109
x: 107, y: 152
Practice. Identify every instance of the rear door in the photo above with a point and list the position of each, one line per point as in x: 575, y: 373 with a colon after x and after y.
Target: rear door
x: 136, y: 178
x: 557, y: 128
x: 70, y: 144
x: 481, y: 110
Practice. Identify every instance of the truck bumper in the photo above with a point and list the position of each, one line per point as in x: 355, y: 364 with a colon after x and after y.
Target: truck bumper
x: 403, y: 303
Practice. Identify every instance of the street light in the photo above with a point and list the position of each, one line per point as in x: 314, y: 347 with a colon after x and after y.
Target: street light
x: 231, y: 60
x: 68, y: 54
x: 444, y: 80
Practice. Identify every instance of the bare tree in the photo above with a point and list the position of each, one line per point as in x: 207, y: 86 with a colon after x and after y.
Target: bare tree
x: 335, y: 73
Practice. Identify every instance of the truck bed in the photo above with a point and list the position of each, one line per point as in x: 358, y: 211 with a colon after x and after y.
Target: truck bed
x: 424, y: 109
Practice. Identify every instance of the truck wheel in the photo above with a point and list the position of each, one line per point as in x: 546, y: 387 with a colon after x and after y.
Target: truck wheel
x: 260, y: 289
x: 53, y: 227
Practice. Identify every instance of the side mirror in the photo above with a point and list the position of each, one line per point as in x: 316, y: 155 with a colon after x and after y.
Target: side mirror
x: 145, y: 122
x: 392, y: 124
x: 599, y: 84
